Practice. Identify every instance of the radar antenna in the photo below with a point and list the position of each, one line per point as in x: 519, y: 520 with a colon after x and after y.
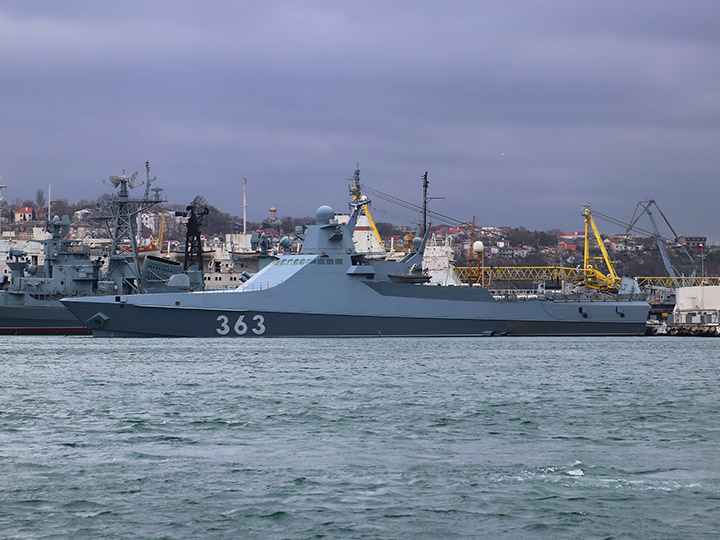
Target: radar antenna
x: 115, y: 181
x: 131, y: 180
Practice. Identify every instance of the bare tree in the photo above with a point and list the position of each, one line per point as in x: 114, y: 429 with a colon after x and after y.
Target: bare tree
x: 40, y: 198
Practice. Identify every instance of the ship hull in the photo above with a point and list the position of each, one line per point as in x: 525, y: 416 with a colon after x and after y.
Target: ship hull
x: 49, y: 319
x: 203, y: 324
x: 394, y: 313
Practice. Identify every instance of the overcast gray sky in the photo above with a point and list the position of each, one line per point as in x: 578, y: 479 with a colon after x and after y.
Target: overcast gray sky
x: 521, y: 111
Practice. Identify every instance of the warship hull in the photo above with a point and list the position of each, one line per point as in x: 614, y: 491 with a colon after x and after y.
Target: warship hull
x: 395, y: 310
x: 45, y: 318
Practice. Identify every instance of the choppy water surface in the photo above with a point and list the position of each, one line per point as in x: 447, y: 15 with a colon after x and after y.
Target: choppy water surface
x: 359, y: 438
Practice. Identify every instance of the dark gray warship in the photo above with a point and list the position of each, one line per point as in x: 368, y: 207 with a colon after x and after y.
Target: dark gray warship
x: 328, y: 289
x: 30, y: 300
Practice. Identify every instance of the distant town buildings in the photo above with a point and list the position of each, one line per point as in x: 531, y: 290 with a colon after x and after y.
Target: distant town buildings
x: 693, y: 241
x: 503, y: 246
x: 24, y: 214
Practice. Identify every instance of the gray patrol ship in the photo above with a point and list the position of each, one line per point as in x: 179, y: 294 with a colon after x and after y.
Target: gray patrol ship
x: 328, y: 289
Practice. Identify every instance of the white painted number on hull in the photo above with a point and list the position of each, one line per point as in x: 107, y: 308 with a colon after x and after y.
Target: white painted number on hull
x: 259, y: 326
x: 241, y: 326
x: 224, y: 328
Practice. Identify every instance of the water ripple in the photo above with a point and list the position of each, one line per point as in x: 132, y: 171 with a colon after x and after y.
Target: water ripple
x: 345, y: 438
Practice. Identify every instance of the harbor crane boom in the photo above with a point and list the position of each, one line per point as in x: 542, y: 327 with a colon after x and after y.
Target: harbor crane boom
x: 592, y: 277
x: 645, y: 205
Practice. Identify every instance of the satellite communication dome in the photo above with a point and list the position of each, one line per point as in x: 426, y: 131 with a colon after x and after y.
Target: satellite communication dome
x: 478, y: 247
x: 324, y: 214
x: 416, y: 243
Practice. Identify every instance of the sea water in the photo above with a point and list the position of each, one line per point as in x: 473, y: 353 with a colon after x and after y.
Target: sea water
x: 359, y: 438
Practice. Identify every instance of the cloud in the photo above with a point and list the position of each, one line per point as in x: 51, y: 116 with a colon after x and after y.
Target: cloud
x: 521, y: 111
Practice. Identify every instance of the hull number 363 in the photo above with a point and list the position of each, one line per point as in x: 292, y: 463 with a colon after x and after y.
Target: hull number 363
x: 240, y: 327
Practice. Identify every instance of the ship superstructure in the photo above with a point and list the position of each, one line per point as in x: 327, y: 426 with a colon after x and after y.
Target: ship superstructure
x: 30, y: 301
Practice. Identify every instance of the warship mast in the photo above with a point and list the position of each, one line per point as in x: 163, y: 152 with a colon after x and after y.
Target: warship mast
x: 123, y: 264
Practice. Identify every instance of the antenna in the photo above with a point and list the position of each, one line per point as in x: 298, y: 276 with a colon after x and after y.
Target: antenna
x: 114, y: 180
x: 131, y: 180
x: 426, y: 183
x: 148, y: 180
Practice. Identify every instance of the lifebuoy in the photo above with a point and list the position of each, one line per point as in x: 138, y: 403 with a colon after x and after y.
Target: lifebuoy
x: 69, y: 249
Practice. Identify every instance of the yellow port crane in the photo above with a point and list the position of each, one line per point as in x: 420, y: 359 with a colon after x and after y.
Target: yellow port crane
x: 592, y: 276
x: 588, y: 275
x: 157, y: 242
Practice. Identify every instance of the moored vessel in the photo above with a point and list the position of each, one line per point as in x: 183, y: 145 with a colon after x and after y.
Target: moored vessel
x: 30, y: 300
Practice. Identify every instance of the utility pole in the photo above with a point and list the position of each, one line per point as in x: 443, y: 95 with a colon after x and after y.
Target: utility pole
x: 244, y: 205
x: 425, y: 200
x: 2, y: 186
